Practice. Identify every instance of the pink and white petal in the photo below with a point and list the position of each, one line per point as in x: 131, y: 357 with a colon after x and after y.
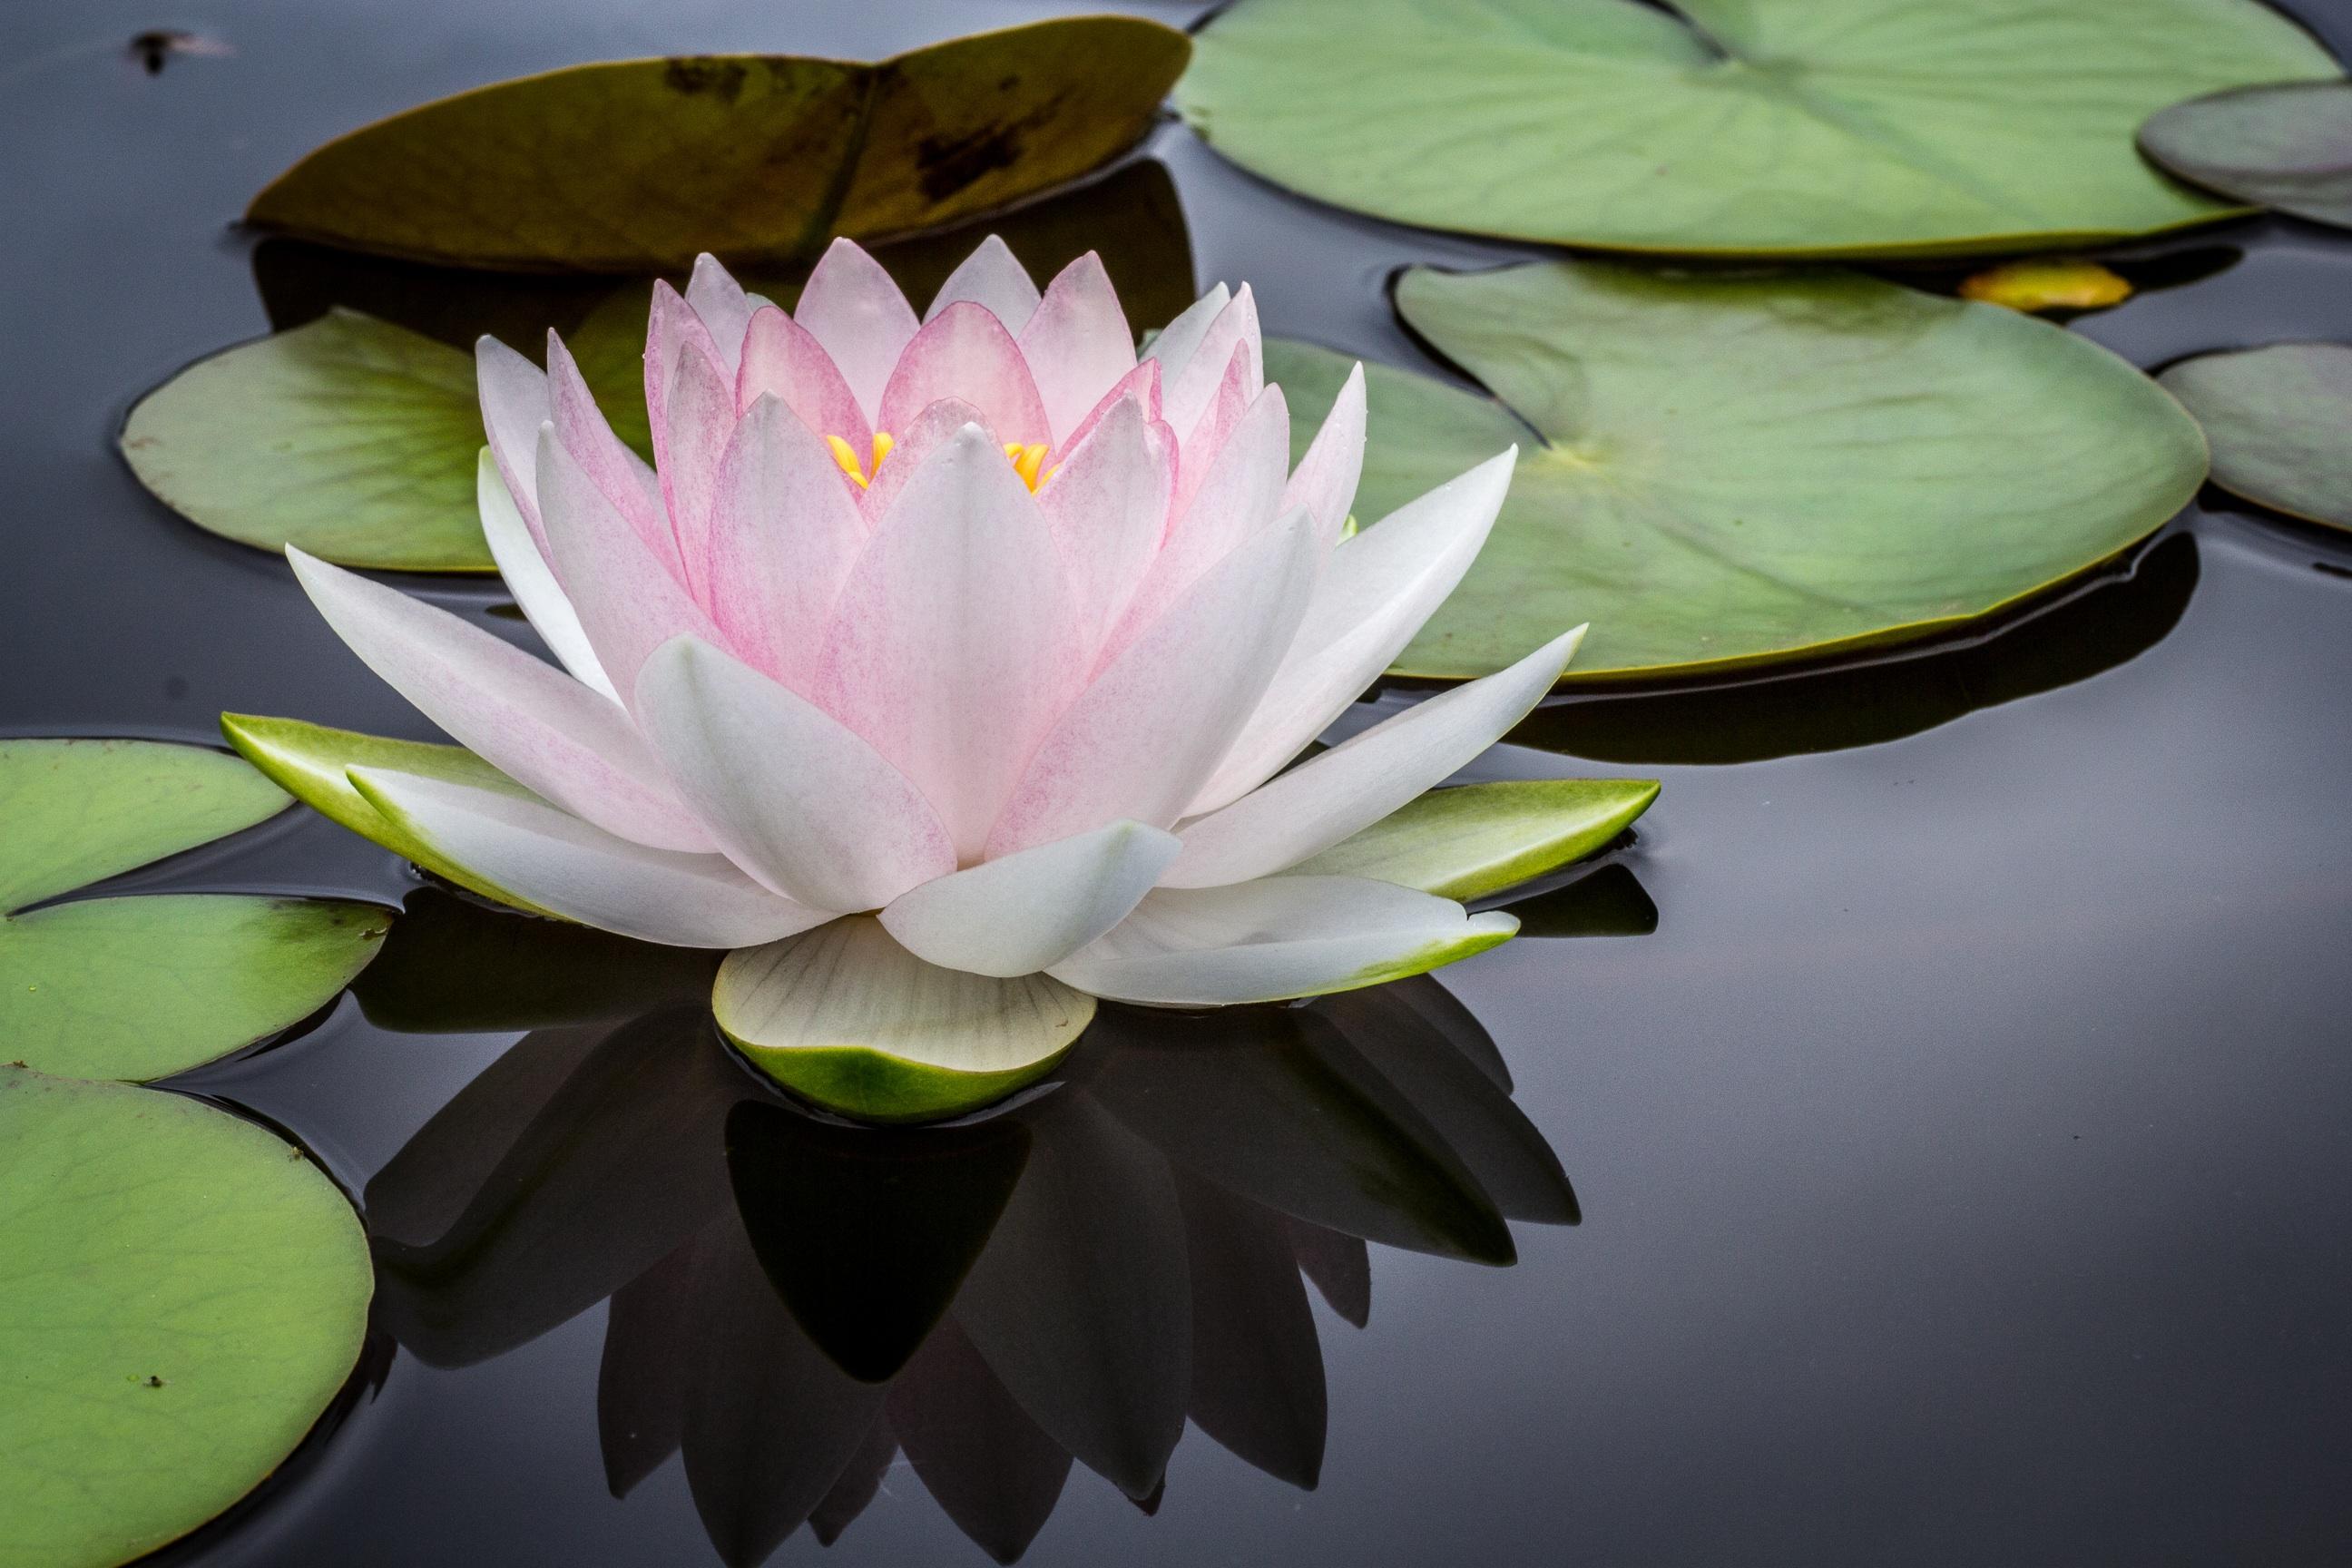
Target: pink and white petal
x: 530, y: 580
x: 781, y: 360
x: 1026, y: 912
x: 521, y: 715
x: 784, y: 532
x: 625, y: 478
x: 1107, y: 508
x: 1143, y: 384
x: 1316, y: 804
x: 513, y: 393
x: 933, y: 428
x: 1205, y: 440
x: 1373, y: 595
x: 951, y: 647
x: 965, y: 352
x: 852, y: 309
x: 992, y: 277
x: 697, y: 423
x: 1240, y: 497
x: 1141, y: 738
x: 1191, y: 389
x: 1325, y: 480
x: 556, y: 862
x: 1174, y: 345
x: 1275, y: 938
x: 722, y: 306
x: 794, y: 796
x: 628, y: 601
x: 1077, y: 343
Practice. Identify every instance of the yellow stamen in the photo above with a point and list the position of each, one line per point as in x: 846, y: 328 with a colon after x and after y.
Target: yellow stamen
x: 1027, y: 460
x: 883, y: 443
x: 844, y: 454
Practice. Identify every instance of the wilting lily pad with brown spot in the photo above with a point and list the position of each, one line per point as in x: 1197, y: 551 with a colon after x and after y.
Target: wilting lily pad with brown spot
x: 183, y: 1293
x: 634, y: 165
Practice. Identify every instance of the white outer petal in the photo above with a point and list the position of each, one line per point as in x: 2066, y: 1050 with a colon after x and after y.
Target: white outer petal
x: 1274, y: 939
x: 560, y: 863
x: 1026, y: 912
x: 1375, y: 593
x: 992, y: 277
x: 531, y: 580
x: 1314, y: 805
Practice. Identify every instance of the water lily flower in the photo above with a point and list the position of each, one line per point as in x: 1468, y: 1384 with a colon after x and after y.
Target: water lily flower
x: 945, y: 668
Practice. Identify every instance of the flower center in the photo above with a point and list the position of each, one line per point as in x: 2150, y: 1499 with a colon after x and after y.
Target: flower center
x: 1028, y: 461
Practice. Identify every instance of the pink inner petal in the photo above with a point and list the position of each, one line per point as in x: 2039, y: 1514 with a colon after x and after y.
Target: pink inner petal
x: 1077, y: 343
x: 965, y: 352
x: 852, y: 307
x: 781, y: 360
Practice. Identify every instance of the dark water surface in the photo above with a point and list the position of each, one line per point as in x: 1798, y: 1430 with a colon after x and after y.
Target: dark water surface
x: 1954, y: 1075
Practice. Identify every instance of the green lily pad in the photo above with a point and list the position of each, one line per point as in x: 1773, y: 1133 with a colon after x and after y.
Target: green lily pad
x: 311, y: 763
x: 142, y: 987
x: 1476, y: 839
x: 78, y: 812
x: 633, y: 165
x: 2280, y: 420
x: 349, y: 436
x: 1731, y: 471
x: 184, y: 1294
x: 846, y: 1018
x: 2286, y: 145
x: 1752, y: 127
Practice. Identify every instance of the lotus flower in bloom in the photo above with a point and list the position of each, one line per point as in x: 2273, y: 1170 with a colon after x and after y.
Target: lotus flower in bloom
x: 974, y: 627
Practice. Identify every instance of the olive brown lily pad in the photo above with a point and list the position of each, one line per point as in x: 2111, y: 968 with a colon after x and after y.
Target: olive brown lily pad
x: 2286, y: 145
x: 1752, y: 127
x: 1721, y: 471
x: 184, y: 1294
x: 634, y: 165
x: 144, y: 986
x: 2280, y: 419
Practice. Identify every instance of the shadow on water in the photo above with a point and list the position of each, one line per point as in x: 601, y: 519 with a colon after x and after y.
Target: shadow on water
x: 2108, y: 619
x: 796, y: 1301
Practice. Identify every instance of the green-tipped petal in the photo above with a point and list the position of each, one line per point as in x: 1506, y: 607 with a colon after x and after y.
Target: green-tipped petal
x: 1476, y: 839
x: 311, y: 763
x: 845, y: 1017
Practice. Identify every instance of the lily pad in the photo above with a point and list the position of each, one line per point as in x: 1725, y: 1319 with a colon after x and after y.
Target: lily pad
x: 184, y: 1295
x: 1480, y: 838
x: 2280, y: 419
x: 1752, y: 127
x: 348, y: 436
x: 142, y: 987
x: 1733, y: 471
x: 2286, y: 145
x: 845, y: 1017
x: 633, y: 165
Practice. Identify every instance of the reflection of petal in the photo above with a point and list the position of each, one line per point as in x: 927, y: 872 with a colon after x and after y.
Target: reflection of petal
x: 641, y: 1382
x: 1494, y: 1138
x: 869, y: 1233
x: 1436, y: 1007
x: 567, y: 1168
x: 990, y: 1466
x: 1341, y: 1266
x: 1257, y: 1367
x: 771, y: 1423
x: 1302, y: 1125
x: 857, y: 1485
x: 1079, y: 1304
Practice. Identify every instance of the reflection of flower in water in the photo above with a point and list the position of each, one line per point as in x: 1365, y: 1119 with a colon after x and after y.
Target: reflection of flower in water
x: 794, y: 1302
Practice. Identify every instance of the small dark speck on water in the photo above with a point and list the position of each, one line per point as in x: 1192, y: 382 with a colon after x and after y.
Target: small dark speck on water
x: 155, y: 47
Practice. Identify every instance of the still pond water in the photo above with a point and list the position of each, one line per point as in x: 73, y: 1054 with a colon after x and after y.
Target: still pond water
x: 1953, y: 1075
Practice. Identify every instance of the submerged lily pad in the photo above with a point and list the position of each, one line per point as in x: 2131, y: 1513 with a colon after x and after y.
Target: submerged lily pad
x: 184, y: 1294
x: 141, y: 987
x: 2050, y: 284
x: 632, y: 165
x: 1476, y: 839
x: 1782, y: 127
x: 349, y: 436
x: 845, y: 1017
x: 2280, y: 419
x: 2286, y: 145
x: 1729, y: 471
